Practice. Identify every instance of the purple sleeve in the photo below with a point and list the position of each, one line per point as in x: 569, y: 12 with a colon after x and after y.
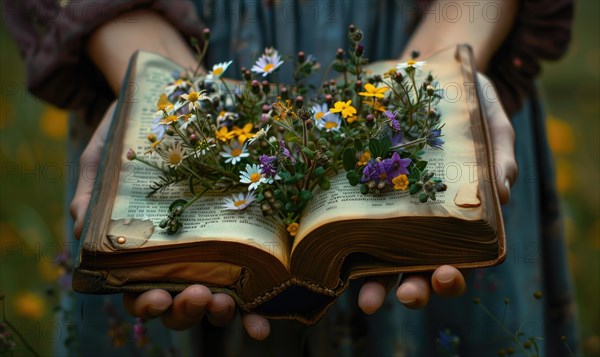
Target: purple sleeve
x: 51, y: 36
x: 542, y: 31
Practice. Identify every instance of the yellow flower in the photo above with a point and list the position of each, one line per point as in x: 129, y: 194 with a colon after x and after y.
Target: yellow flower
x: 30, y: 305
x: 293, y: 229
x: 375, y: 105
x: 163, y: 104
x: 223, y: 134
x: 372, y: 91
x: 400, y: 182
x: 352, y: 119
x: 244, y: 133
x: 390, y: 73
x: 364, y: 158
x: 345, y: 108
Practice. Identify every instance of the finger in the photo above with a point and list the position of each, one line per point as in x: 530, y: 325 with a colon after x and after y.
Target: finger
x: 188, y: 307
x: 221, y: 310
x: 88, y: 167
x: 414, y: 291
x: 503, y: 140
x: 257, y: 326
x: 150, y: 304
x: 448, y: 281
x: 373, y: 292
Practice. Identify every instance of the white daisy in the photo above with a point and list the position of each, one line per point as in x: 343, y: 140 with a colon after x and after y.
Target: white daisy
x: 194, y: 99
x: 319, y: 111
x: 186, y: 119
x: 410, y: 63
x: 234, y: 153
x: 178, y: 84
x: 239, y: 201
x: 329, y: 122
x: 253, y: 176
x: 174, y: 155
x: 262, y: 133
x: 268, y: 62
x: 217, y: 71
x: 160, y: 124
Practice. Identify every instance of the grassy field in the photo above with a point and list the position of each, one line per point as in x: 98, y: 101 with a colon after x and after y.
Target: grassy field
x: 34, y: 173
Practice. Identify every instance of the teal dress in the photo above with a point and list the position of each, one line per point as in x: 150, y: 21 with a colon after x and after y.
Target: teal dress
x: 241, y: 30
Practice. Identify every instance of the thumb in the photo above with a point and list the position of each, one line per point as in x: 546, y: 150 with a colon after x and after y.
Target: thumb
x: 88, y: 168
x: 503, y: 140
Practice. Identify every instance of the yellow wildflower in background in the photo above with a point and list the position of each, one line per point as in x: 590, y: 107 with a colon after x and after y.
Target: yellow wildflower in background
x: 244, y: 133
x: 364, y: 158
x: 372, y: 91
x: 345, y: 108
x: 30, y: 305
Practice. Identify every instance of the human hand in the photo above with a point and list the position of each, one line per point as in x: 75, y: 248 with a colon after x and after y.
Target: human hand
x: 184, y: 309
x: 415, y: 289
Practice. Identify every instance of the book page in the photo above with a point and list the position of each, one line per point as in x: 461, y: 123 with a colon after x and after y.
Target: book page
x: 456, y: 164
x: 205, y: 219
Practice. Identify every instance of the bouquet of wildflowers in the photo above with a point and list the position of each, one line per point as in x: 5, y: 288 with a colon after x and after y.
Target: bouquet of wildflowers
x: 273, y: 145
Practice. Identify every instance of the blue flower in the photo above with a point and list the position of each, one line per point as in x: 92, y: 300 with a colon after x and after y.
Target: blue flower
x: 434, y: 140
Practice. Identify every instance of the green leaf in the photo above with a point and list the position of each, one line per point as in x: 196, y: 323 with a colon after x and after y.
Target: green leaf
x: 308, y: 152
x: 423, y: 197
x: 375, y: 148
x: 339, y: 66
x: 353, y: 177
x: 414, y: 188
x: 421, y: 165
x: 386, y: 145
x: 364, y: 189
x: 305, y: 195
x: 349, y: 159
x: 358, y: 145
x: 324, y: 183
x: 191, y: 184
x: 319, y: 171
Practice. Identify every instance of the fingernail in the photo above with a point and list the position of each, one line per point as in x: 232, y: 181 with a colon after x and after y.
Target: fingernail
x: 407, y: 301
x: 446, y: 279
x: 507, y: 185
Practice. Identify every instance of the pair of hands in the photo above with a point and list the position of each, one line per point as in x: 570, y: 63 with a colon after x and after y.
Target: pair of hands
x: 196, y: 302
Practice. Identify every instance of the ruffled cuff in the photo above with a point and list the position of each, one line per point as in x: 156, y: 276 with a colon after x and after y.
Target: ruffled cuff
x: 52, y: 40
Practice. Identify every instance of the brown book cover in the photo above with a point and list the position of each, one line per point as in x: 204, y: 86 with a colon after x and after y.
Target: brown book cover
x: 344, y: 235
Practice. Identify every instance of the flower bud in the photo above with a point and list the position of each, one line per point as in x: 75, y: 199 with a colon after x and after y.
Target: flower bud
x: 351, y: 28
x: 265, y: 87
x: 299, y: 101
x: 151, y: 137
x: 131, y: 155
x: 301, y: 57
x: 328, y: 98
x: 247, y: 75
x: 356, y: 36
x: 264, y: 118
x: 358, y: 85
x: 265, y: 108
x: 430, y: 90
x: 206, y: 34
x: 398, y: 77
x: 370, y: 118
x: 414, y: 54
x: 332, y: 82
x: 255, y: 87
x: 193, y: 138
x: 360, y: 49
x: 284, y: 93
x: 308, y: 123
x: 339, y: 54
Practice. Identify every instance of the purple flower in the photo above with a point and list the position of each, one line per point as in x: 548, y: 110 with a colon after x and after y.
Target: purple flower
x: 286, y: 152
x: 268, y: 165
x: 394, y: 123
x: 434, y: 140
x: 385, y: 170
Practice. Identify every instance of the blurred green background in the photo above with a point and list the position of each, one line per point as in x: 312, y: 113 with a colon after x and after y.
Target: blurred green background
x: 34, y: 174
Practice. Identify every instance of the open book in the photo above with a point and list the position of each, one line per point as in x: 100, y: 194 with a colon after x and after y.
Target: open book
x: 343, y: 234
